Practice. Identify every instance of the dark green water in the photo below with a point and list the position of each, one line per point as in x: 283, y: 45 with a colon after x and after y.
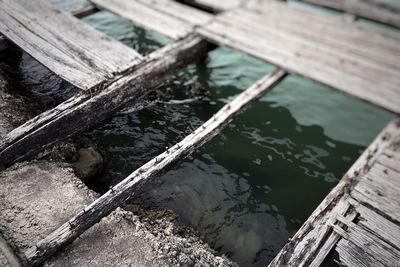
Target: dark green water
x: 249, y: 189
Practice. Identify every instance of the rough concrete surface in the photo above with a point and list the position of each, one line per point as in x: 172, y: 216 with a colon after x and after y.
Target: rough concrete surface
x: 37, y: 197
x: 123, y: 239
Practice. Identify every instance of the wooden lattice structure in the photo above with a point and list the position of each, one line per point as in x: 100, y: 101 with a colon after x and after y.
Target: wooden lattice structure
x: 360, y: 218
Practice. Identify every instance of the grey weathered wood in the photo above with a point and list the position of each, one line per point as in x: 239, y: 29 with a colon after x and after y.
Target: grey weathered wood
x: 380, y: 189
x: 292, y: 22
x: 391, y: 159
x: 305, y: 247
x: 383, y: 11
x: 124, y: 190
x: 357, y: 60
x: 167, y: 17
x: 370, y: 245
x: 85, y: 110
x: 78, y: 13
x: 353, y: 256
x: 68, y: 47
x: 381, y: 227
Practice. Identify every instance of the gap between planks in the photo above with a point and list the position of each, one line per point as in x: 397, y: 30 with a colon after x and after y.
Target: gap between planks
x: 126, y: 189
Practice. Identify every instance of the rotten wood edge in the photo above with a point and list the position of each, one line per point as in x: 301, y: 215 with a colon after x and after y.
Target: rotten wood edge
x: 80, y: 112
x: 308, y: 246
x: 117, y: 195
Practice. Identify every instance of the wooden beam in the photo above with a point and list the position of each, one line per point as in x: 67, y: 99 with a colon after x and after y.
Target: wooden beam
x: 383, y: 11
x: 314, y: 240
x: 125, y: 189
x: 79, y: 12
x: 67, y: 46
x: 85, y: 110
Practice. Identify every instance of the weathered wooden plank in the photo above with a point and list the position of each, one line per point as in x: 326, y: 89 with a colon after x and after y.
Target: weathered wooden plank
x: 390, y: 159
x: 354, y: 62
x: 380, y: 189
x: 334, y: 58
x: 70, y: 48
x: 377, y: 225
x: 383, y: 11
x: 85, y: 110
x: 169, y: 18
x: 331, y: 25
x: 125, y: 189
x: 80, y: 12
x: 305, y: 247
x: 353, y: 256
x: 334, y: 37
x: 371, y: 246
